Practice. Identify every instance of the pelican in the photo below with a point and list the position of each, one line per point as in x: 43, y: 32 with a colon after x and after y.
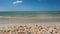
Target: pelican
x: 17, y: 1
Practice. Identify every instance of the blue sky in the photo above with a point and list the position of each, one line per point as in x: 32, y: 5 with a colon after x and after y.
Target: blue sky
x: 30, y: 5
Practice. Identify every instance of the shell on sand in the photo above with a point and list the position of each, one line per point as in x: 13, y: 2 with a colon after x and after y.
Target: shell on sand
x: 30, y: 29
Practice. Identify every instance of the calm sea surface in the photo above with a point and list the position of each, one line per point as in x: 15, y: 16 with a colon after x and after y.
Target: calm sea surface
x: 29, y: 13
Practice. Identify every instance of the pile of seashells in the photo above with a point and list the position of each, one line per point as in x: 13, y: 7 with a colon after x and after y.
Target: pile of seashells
x: 30, y: 29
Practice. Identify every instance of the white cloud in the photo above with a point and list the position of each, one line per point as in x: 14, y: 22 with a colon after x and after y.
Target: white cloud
x: 17, y: 2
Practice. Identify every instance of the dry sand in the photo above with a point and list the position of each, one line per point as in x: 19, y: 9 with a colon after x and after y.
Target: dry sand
x: 30, y: 28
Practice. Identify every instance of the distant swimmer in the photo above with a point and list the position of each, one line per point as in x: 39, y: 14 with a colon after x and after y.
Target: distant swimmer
x: 17, y: 1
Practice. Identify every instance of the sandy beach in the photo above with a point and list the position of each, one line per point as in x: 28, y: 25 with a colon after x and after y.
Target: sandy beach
x: 28, y: 20
x: 29, y: 26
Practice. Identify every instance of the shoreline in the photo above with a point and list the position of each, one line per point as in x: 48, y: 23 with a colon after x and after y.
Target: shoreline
x: 37, y: 17
x: 29, y: 20
x: 23, y: 20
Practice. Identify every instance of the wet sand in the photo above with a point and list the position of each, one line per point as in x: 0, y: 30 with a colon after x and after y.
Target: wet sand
x: 28, y: 21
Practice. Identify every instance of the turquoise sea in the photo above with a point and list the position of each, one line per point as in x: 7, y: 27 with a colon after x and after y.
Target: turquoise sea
x: 37, y: 14
x: 29, y: 13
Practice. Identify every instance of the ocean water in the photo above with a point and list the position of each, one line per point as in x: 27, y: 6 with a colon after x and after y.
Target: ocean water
x: 29, y: 13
